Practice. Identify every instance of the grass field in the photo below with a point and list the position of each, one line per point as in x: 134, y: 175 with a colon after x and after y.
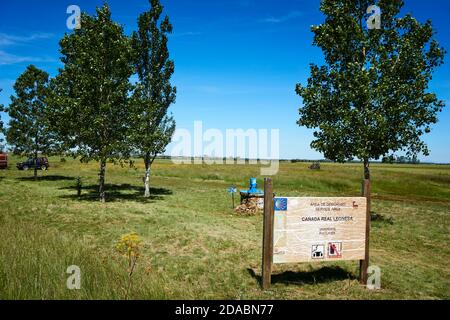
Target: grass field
x: 195, y: 247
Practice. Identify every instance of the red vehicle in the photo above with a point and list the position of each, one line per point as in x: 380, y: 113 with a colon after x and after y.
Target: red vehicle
x: 3, y: 160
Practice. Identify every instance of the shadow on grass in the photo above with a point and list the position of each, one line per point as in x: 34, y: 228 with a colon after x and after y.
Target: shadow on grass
x: 114, y: 192
x: 47, y: 178
x: 322, y: 275
x: 377, y: 217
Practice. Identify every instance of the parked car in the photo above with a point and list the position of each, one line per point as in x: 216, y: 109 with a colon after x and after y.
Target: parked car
x: 40, y: 163
x: 3, y: 160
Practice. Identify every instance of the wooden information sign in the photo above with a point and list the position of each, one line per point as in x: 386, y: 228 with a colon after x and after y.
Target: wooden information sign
x: 314, y: 229
x: 319, y: 229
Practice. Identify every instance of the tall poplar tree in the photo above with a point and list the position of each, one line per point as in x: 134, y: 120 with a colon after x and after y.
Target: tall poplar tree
x: 152, y: 127
x: 91, y: 92
x: 372, y: 97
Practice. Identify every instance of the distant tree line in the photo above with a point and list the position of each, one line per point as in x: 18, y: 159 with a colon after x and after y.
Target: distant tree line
x: 91, y: 109
x: 401, y: 159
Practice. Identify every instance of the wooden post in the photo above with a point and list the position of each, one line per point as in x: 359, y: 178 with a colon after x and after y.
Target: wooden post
x: 267, y: 253
x: 364, y: 264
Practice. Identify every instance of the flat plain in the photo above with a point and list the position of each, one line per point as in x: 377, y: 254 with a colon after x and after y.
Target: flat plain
x: 193, y: 244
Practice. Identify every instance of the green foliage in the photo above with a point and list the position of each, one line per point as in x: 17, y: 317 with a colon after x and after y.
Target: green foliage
x: 152, y: 129
x: 29, y: 132
x: 153, y: 95
x: 371, y: 98
x: 388, y: 159
x: 90, y: 100
x: 401, y: 159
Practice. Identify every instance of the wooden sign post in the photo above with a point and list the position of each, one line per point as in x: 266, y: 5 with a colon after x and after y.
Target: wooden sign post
x: 267, y: 254
x: 364, y: 264
x: 315, y: 229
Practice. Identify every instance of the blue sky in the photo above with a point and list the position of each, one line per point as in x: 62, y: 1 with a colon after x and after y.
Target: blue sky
x: 237, y: 61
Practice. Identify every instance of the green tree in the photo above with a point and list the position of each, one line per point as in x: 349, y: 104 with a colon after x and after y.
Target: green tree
x: 91, y: 92
x: 388, y: 159
x: 402, y: 159
x: 415, y: 160
x: 29, y: 133
x: 152, y: 128
x: 371, y: 98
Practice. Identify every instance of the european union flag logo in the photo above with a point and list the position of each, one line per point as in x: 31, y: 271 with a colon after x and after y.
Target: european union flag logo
x: 232, y: 190
x: 280, y: 204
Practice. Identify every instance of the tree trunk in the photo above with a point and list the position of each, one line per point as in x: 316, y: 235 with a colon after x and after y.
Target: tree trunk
x: 147, y: 176
x: 35, y: 166
x: 101, y: 189
x: 366, y: 169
